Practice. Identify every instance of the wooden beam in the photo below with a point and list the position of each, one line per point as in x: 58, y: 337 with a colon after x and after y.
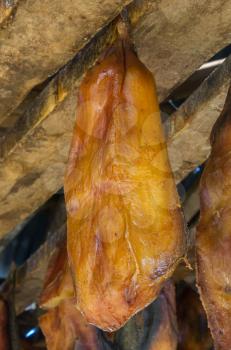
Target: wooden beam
x: 175, y: 38
x: 38, y: 37
x: 7, y: 8
x: 34, y: 151
x: 189, y: 128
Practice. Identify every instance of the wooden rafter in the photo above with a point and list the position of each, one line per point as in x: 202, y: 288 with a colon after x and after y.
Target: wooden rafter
x: 34, y: 152
x: 37, y: 38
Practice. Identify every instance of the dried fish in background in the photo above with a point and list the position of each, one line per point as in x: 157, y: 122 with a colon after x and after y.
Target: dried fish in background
x: 192, y: 322
x: 154, y: 328
x: 63, y: 325
x: 4, y: 332
x: 58, y: 284
x: 125, y: 228
x: 213, y: 241
x: 166, y: 335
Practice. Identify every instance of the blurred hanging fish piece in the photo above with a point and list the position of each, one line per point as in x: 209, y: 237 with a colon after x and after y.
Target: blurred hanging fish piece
x: 4, y: 326
x: 154, y: 328
x: 192, y: 322
x: 58, y: 284
x: 63, y: 325
x: 213, y: 240
x: 124, y: 221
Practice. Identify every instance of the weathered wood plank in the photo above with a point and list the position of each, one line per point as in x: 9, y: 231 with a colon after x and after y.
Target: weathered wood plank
x: 34, y: 152
x: 38, y: 37
x: 7, y: 8
x: 176, y: 37
x: 190, y: 126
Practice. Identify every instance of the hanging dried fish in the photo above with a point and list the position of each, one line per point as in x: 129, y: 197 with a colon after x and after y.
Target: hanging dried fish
x: 154, y: 328
x: 63, y: 325
x: 192, y: 322
x: 4, y: 325
x: 125, y: 228
x: 213, y: 240
x: 58, y: 284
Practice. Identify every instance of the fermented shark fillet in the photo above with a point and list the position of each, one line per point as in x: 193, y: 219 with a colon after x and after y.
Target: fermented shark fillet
x: 154, y: 328
x: 166, y: 333
x: 65, y: 329
x: 63, y: 325
x: 58, y: 284
x: 4, y: 334
x: 125, y: 228
x: 213, y: 240
x: 192, y: 322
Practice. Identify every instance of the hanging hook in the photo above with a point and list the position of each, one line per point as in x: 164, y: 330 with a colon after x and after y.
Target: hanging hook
x: 124, y: 25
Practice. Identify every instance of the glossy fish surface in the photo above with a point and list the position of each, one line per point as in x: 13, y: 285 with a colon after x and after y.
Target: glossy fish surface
x: 213, y: 240
x: 125, y: 228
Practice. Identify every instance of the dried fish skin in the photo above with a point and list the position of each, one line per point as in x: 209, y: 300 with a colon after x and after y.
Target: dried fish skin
x: 154, y: 328
x: 213, y: 239
x: 58, y: 283
x: 125, y: 228
x: 4, y: 325
x: 192, y: 321
x: 64, y: 327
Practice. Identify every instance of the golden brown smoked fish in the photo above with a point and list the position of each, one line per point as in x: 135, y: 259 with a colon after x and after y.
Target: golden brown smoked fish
x: 4, y: 331
x: 213, y: 241
x: 192, y: 322
x: 65, y: 328
x: 125, y: 229
x: 63, y: 325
